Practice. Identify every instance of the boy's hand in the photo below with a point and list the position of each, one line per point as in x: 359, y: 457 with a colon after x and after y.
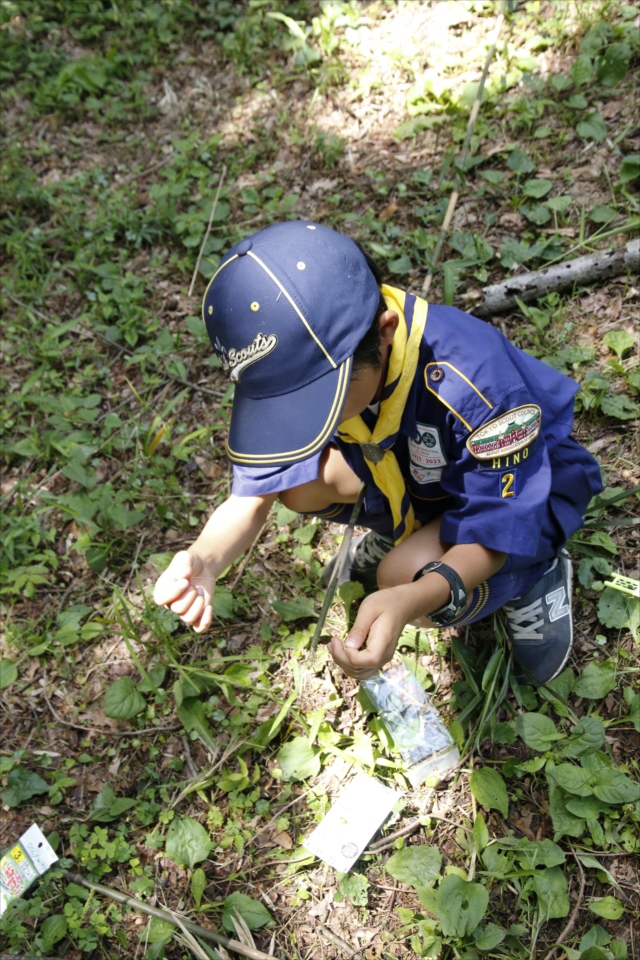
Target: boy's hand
x: 186, y: 587
x: 380, y: 621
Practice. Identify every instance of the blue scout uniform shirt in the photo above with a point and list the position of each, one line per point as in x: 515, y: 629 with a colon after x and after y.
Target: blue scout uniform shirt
x: 525, y: 502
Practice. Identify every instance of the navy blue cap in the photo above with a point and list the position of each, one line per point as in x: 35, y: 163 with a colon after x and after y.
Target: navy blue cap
x: 285, y: 311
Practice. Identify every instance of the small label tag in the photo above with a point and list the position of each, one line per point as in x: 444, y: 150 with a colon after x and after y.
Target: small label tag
x: 513, y: 431
x: 424, y: 475
x: 30, y: 857
x: 425, y: 449
x: 345, y: 831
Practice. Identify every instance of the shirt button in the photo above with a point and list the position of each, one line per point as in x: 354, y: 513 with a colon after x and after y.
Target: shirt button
x: 436, y: 375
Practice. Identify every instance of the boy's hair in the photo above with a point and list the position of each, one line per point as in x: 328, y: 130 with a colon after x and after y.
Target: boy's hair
x: 367, y: 353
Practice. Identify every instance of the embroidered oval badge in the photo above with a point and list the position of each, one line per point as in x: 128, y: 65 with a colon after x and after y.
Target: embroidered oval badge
x: 512, y: 431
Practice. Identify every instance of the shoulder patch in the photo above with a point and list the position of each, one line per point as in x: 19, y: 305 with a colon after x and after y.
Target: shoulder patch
x: 506, y: 434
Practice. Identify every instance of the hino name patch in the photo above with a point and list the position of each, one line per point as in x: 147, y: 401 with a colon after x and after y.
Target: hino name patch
x: 508, y: 433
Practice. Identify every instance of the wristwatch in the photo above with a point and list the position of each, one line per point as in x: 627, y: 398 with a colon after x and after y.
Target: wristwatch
x: 458, y: 601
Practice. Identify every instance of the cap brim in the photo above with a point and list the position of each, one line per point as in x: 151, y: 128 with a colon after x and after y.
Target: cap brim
x: 289, y: 427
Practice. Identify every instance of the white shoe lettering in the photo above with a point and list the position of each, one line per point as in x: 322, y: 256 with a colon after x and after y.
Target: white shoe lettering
x: 557, y: 601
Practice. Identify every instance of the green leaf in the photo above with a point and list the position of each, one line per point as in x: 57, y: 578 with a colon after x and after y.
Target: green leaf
x: 630, y: 167
x: 298, y: 609
x: 461, y: 905
x: 573, y: 779
x: 565, y: 823
x: 187, y: 842
x: 52, y: 930
x: 415, y: 866
x: 614, y: 64
x: 550, y: 886
x: 537, y: 188
x: 596, y: 680
x: 489, y: 789
x: 608, y: 783
x: 582, y: 70
x: 353, y: 887
x: 537, y: 731
x: 306, y: 533
x: 592, y: 127
x: 602, y: 213
x: 349, y: 591
x: 620, y: 341
x: 533, y: 853
x: 520, y: 162
x: 22, y: 784
x: 634, y: 710
x: 400, y: 265
x: 192, y: 716
x: 480, y: 833
x: 489, y: 936
x: 223, y: 603
x: 560, y: 204
x: 587, y: 736
x: 8, y: 673
x: 254, y: 914
x: 537, y: 214
x: 298, y: 760
x: 601, y: 539
x: 619, y: 405
x: 577, y: 102
x: 198, y: 885
x: 607, y: 907
x: 122, y: 701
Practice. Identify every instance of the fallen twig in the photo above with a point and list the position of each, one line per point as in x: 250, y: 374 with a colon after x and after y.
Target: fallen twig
x: 163, y: 914
x: 206, y: 236
x: 574, y: 913
x: 346, y: 948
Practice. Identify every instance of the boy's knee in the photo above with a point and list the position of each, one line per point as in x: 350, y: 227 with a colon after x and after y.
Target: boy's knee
x: 297, y: 499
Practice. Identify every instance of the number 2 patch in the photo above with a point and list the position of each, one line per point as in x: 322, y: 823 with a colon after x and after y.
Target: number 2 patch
x: 507, y: 485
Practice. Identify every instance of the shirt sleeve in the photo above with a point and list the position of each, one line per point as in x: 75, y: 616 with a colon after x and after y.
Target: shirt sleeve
x: 258, y: 481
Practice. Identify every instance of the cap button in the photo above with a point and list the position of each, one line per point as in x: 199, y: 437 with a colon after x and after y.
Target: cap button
x: 243, y: 247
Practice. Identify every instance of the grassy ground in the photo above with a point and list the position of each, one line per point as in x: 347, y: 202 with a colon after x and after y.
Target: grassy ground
x: 186, y: 771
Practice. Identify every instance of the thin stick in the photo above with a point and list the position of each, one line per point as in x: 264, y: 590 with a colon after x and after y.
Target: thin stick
x: 475, y: 109
x: 206, y: 236
x: 574, y: 913
x: 342, y: 945
x: 170, y: 917
x: 246, y: 558
x: 335, y: 577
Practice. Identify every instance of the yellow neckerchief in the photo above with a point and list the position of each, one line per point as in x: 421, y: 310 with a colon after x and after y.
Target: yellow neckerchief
x: 377, y: 443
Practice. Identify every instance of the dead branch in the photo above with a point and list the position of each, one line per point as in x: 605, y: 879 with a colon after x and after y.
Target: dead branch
x: 170, y: 917
x: 574, y: 913
x: 583, y: 270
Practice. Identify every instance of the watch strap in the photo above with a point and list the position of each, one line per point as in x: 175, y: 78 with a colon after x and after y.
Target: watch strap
x: 458, y: 599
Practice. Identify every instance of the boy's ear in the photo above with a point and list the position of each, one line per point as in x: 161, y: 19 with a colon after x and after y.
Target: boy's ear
x: 388, y: 325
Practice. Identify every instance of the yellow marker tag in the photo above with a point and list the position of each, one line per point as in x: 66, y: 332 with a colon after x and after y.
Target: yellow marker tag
x: 17, y: 854
x: 624, y: 584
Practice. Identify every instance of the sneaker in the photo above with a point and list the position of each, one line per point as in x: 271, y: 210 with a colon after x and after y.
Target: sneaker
x: 540, y: 625
x: 363, y: 559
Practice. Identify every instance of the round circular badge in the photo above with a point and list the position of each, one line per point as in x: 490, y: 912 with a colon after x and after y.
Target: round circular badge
x: 372, y: 452
x: 349, y: 850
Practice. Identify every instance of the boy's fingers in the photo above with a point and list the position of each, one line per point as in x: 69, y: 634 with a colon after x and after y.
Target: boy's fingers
x: 183, y: 603
x: 194, y: 612
x: 205, y: 620
x: 167, y: 589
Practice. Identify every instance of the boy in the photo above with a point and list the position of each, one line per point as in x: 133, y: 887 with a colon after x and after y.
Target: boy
x: 473, y: 482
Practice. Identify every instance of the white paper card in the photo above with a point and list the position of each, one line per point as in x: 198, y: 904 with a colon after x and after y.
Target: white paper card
x: 345, y: 831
